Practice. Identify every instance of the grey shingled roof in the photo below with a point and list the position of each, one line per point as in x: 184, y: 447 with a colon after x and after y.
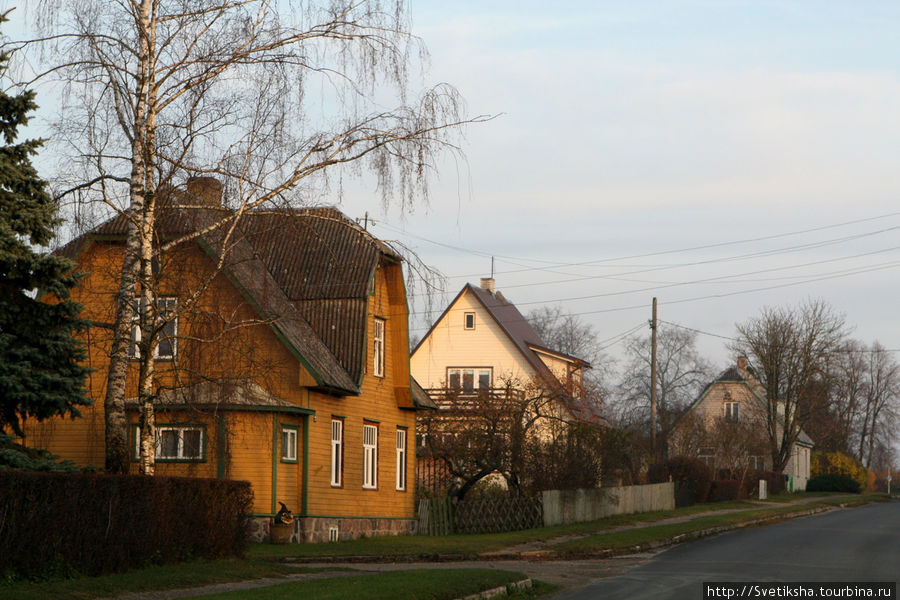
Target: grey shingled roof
x: 306, y: 271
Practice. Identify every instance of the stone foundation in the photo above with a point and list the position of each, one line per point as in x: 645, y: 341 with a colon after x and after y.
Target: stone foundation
x: 322, y: 529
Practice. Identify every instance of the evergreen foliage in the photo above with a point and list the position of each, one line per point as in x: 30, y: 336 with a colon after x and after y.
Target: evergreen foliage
x: 16, y: 457
x: 40, y: 373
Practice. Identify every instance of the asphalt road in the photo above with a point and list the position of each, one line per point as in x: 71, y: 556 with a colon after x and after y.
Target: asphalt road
x: 860, y: 544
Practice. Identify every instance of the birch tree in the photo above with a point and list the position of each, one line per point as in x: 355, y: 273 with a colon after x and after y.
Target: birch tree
x: 278, y: 100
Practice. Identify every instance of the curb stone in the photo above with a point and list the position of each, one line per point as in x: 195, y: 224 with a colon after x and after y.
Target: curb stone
x: 503, y: 590
x: 682, y: 537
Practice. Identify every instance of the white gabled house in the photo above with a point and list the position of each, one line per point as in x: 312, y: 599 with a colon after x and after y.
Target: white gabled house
x: 482, y: 341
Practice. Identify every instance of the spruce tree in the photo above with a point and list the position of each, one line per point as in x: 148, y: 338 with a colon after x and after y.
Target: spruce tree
x: 40, y: 371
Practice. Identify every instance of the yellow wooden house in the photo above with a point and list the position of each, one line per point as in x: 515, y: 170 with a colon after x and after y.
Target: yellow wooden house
x: 283, y: 361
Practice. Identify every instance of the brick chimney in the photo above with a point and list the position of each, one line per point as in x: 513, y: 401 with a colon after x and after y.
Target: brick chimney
x: 206, y: 191
x: 488, y: 284
x: 742, y: 363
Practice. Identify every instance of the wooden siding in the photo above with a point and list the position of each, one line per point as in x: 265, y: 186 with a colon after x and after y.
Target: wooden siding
x: 244, y: 347
x: 451, y: 345
x: 377, y: 404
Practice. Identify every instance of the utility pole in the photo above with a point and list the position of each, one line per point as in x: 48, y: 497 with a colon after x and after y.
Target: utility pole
x: 653, y: 383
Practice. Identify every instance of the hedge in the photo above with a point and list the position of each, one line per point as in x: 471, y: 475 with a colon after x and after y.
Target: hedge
x: 833, y: 482
x: 87, y: 523
x: 722, y: 490
x: 774, y: 483
x: 686, y: 472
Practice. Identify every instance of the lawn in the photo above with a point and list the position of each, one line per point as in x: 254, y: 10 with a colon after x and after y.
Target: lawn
x: 428, y: 583
x: 592, y: 537
x: 472, y: 544
x: 655, y: 533
x: 419, y: 584
x: 165, y: 577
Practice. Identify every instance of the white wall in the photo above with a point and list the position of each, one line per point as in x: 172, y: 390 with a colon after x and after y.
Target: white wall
x: 449, y: 344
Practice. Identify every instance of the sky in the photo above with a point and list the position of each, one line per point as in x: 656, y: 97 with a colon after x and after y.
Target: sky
x: 721, y: 156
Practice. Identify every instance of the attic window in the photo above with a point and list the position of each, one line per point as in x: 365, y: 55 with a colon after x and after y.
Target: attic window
x: 469, y: 320
x: 167, y: 316
x: 732, y: 411
x: 378, y: 350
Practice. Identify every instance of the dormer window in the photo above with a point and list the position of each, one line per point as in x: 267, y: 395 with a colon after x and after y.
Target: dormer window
x: 378, y: 349
x: 469, y: 320
x: 167, y: 317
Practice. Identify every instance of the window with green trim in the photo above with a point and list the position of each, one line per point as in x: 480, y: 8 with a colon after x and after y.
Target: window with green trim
x: 370, y: 457
x: 337, y: 452
x: 175, y: 443
x: 401, y: 460
x: 289, y: 436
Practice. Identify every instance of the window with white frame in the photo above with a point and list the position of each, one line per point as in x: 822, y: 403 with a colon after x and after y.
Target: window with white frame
x: 378, y: 366
x: 469, y: 320
x: 289, y: 437
x: 732, y: 411
x: 469, y: 379
x: 175, y: 442
x: 337, y: 452
x: 401, y: 459
x: 167, y: 318
x: 370, y: 457
x: 758, y: 463
x: 708, y: 455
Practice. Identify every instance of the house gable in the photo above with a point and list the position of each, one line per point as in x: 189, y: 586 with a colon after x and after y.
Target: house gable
x: 251, y: 366
x: 449, y: 344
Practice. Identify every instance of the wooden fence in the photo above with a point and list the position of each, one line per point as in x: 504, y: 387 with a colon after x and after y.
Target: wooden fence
x: 445, y: 516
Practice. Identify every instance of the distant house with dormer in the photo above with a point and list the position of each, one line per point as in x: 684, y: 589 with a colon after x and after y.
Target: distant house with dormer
x: 726, y: 427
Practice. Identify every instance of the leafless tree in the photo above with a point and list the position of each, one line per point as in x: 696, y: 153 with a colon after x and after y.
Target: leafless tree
x: 880, y: 403
x: 157, y: 91
x: 483, y: 432
x: 568, y: 333
x: 789, y: 351
x: 681, y: 374
x: 834, y: 411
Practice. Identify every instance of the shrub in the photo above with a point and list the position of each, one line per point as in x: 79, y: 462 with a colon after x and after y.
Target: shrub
x: 833, y: 482
x: 62, y: 523
x: 722, y: 490
x: 687, y: 472
x: 774, y: 483
x: 823, y: 463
